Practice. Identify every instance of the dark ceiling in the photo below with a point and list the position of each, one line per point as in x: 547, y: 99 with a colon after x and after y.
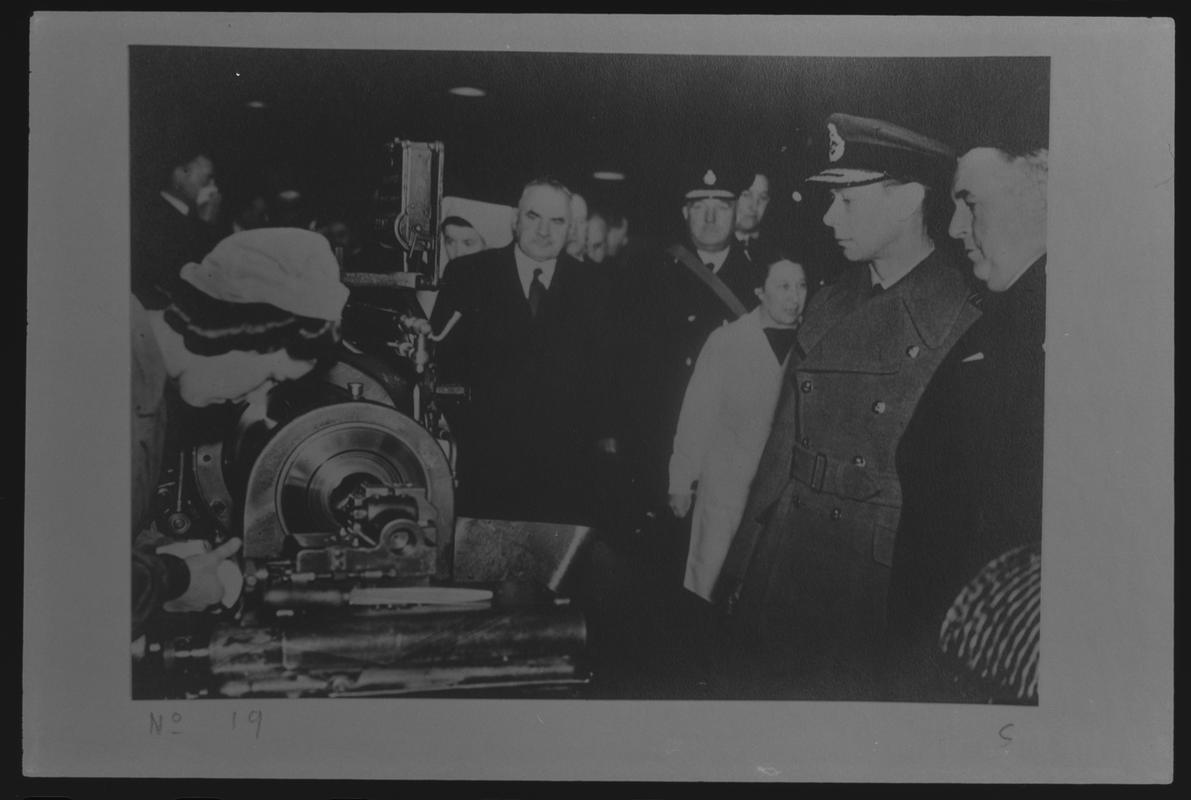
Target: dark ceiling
x: 328, y: 114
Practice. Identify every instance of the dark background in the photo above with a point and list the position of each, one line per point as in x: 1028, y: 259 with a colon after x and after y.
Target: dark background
x: 328, y: 114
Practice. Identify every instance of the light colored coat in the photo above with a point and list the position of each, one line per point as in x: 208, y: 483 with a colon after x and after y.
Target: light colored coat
x: 722, y: 428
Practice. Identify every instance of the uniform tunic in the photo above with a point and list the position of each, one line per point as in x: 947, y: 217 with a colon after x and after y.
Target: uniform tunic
x: 671, y: 314
x: 722, y: 429
x: 807, y: 575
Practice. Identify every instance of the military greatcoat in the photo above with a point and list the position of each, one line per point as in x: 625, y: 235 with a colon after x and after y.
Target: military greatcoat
x: 807, y: 575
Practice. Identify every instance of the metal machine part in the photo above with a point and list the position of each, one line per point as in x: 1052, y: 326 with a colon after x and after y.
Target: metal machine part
x: 407, y: 207
x: 497, y: 551
x: 387, y: 653
x: 356, y: 486
x: 345, y: 506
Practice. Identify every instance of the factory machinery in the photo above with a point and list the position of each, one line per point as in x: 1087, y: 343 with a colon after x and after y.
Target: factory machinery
x: 355, y: 577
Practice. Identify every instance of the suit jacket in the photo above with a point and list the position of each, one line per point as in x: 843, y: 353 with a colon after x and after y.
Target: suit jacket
x: 972, y: 457
x: 538, y: 386
x: 809, y: 566
x: 163, y: 240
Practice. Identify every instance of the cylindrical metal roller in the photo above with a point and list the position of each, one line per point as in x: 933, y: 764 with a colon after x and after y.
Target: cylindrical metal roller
x: 450, y: 637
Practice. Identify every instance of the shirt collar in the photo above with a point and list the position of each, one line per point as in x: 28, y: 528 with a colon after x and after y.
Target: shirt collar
x: 715, y: 259
x: 526, y: 266
x: 183, y: 209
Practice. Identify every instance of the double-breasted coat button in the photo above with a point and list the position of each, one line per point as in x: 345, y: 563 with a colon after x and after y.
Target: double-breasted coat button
x: 688, y: 362
x: 836, y: 513
x: 806, y: 387
x: 913, y: 350
x: 691, y: 318
x: 879, y: 407
x: 806, y: 442
x: 859, y: 461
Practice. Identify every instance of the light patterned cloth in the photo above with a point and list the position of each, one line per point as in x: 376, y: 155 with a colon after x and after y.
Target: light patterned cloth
x: 993, y: 627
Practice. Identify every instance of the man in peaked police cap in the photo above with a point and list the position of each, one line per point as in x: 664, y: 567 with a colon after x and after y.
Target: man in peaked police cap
x: 668, y: 304
x: 806, y: 580
x: 675, y: 301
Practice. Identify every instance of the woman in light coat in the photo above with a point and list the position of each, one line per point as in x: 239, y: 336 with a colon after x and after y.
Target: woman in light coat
x: 726, y: 416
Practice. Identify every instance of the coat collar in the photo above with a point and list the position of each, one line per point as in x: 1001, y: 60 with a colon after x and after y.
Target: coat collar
x: 933, y: 294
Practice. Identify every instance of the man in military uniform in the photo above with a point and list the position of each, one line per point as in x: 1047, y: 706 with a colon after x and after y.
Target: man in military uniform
x: 806, y: 580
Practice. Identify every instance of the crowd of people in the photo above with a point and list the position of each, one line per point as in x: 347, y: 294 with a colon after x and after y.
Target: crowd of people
x: 795, y: 482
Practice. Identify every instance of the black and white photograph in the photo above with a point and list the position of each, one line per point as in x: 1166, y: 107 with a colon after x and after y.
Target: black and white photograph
x: 629, y: 375
x: 655, y: 438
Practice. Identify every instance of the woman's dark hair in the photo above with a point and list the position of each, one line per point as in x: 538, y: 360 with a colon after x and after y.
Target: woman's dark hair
x: 211, y: 327
x: 774, y: 257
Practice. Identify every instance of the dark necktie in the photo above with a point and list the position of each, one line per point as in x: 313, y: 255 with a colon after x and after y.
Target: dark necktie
x: 709, y: 265
x: 876, y: 290
x: 781, y: 340
x: 537, y: 292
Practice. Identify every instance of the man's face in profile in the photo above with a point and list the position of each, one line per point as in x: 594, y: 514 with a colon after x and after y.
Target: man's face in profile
x: 597, y: 240
x: 1000, y: 214
x: 195, y: 182
x: 577, y: 237
x: 867, y: 220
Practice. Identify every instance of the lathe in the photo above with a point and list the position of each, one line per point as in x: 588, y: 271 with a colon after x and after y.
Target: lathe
x: 355, y: 577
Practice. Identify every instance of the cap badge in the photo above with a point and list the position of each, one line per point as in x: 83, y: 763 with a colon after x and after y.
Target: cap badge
x: 709, y: 178
x: 835, y: 144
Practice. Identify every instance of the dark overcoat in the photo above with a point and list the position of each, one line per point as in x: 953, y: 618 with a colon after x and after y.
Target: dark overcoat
x: 807, y: 575
x: 163, y: 241
x: 669, y: 313
x: 972, y: 455
x: 538, y: 387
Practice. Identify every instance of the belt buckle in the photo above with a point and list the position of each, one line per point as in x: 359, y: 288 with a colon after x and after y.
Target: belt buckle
x: 818, y: 472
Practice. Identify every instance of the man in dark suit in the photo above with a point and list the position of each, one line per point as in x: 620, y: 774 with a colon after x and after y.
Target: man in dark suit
x: 806, y: 579
x: 979, y: 424
x: 531, y: 345
x: 174, y: 225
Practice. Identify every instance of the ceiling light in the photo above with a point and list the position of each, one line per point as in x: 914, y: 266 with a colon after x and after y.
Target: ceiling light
x: 467, y: 91
x: 608, y: 175
x: 255, y: 104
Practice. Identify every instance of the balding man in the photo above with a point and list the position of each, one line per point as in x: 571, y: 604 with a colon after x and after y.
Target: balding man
x: 531, y: 345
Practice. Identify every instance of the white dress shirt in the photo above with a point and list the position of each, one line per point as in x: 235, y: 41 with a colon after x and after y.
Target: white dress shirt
x: 526, y: 266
